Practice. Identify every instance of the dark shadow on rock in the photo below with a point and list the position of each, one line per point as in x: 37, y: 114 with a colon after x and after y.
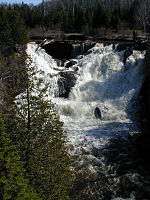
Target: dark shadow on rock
x: 64, y: 50
x: 66, y: 82
x: 70, y: 63
x: 59, y: 50
x: 125, y: 166
x: 138, y: 46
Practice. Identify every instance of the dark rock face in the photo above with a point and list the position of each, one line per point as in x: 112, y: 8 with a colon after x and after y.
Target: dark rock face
x: 64, y: 50
x: 65, y: 83
x: 97, y: 113
x: 139, y: 46
x: 123, y: 46
x: 59, y: 50
x: 82, y: 48
x: 143, y: 142
x: 75, y: 68
x: 75, y: 36
x: 128, y: 52
x: 70, y: 64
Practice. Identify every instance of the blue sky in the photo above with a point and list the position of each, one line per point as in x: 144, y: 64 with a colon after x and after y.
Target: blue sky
x: 19, y: 1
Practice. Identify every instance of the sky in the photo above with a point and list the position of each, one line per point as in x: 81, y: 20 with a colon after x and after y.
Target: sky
x: 20, y: 1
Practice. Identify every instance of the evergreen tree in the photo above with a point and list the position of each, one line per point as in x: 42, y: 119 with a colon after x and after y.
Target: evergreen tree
x: 12, y: 30
x: 40, y: 138
x: 13, y: 184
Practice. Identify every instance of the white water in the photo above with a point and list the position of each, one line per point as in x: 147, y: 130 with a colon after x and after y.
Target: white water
x: 103, y: 81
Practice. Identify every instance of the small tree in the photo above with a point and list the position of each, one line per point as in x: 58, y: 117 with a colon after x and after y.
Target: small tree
x: 41, y: 139
x: 13, y: 184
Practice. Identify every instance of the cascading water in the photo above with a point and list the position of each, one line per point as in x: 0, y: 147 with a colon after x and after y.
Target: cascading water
x: 102, y: 81
x: 45, y: 68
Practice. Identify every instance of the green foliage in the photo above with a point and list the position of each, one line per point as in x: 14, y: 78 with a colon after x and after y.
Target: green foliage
x: 12, y: 29
x: 35, y: 138
x: 49, y: 160
x: 13, y: 184
x: 69, y: 16
x: 13, y: 73
x: 40, y: 137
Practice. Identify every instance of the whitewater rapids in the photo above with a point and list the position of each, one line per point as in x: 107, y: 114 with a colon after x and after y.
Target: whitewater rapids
x: 102, y: 81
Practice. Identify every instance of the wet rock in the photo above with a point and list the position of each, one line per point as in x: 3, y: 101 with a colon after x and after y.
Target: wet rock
x: 75, y: 68
x: 80, y: 56
x: 64, y: 50
x: 123, y: 46
x: 138, y: 46
x: 75, y: 36
x: 70, y: 63
x: 66, y: 81
x: 143, y: 141
x: 59, y: 62
x: 59, y: 49
x: 90, y: 186
x: 97, y: 113
x: 82, y: 48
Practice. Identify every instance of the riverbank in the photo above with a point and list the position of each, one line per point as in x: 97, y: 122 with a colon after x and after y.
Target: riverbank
x: 63, y: 46
x: 101, y: 35
x: 143, y: 142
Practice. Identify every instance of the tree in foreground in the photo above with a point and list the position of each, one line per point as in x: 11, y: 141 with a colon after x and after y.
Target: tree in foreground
x: 40, y: 138
x: 13, y: 184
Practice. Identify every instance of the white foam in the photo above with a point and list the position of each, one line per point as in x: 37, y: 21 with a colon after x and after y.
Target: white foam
x: 104, y: 82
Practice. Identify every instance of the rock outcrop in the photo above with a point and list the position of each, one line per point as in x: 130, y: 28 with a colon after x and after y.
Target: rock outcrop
x: 66, y: 81
x: 138, y: 46
x: 59, y: 49
x: 64, y: 50
x: 143, y: 142
x: 70, y: 63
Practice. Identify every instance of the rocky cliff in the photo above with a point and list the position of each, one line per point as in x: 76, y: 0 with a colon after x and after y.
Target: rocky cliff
x: 143, y: 142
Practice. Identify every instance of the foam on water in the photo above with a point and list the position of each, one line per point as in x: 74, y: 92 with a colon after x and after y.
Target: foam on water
x: 102, y: 81
x: 45, y: 67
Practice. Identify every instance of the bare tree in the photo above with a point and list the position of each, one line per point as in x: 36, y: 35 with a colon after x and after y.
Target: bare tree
x: 142, y: 11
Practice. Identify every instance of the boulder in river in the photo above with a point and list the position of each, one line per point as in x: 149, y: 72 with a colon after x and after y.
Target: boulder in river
x: 70, y: 63
x: 66, y: 81
x: 75, y: 68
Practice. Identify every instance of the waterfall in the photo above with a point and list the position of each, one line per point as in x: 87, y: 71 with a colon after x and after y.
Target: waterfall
x: 101, y: 147
x: 45, y: 67
x: 102, y: 81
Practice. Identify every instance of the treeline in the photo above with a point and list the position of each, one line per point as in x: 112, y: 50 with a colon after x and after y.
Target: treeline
x: 12, y: 30
x: 34, y: 162
x: 83, y: 15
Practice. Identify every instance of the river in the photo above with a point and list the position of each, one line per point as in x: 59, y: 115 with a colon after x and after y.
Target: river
x: 102, y: 81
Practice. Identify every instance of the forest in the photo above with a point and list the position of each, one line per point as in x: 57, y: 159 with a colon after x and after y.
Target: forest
x: 83, y: 16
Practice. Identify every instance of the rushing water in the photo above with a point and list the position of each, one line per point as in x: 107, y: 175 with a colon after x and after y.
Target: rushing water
x: 102, y: 81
